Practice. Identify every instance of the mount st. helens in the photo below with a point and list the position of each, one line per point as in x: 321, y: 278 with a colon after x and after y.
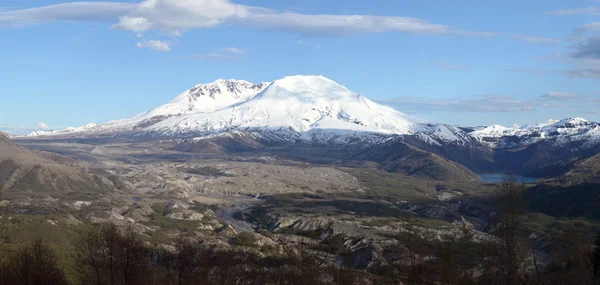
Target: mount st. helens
x: 301, y: 104
x: 233, y: 115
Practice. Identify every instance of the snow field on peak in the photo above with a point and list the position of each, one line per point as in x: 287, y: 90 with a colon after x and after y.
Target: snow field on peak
x: 300, y: 103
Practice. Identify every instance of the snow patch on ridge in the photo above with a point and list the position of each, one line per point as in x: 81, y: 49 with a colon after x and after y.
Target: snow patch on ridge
x: 569, y: 129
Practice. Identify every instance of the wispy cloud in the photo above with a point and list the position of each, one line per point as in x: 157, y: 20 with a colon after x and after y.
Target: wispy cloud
x: 479, y: 103
x: 446, y: 64
x: 305, y: 43
x: 492, y: 103
x: 175, y: 17
x: 66, y: 12
x: 346, y: 25
x: 590, y: 72
x: 554, y: 105
x: 577, y: 11
x: 586, y: 28
x: 585, y: 55
x: 154, y: 45
x: 43, y: 126
x: 533, y: 71
x: 558, y: 95
x: 537, y: 40
x: 234, y: 50
x: 588, y: 48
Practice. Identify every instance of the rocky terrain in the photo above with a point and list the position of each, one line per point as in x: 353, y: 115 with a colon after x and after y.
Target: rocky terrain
x: 375, y: 208
x: 326, y: 173
x: 163, y: 191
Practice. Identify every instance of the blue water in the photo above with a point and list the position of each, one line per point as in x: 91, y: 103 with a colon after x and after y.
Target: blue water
x: 496, y: 178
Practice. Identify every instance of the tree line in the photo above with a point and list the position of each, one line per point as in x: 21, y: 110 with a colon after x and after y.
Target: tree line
x: 117, y: 256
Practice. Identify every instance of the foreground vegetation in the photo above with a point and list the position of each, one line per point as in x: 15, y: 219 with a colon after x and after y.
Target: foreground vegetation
x: 109, y: 254
x: 112, y: 255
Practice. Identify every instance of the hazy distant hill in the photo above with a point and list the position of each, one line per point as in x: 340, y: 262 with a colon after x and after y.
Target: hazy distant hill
x: 23, y: 170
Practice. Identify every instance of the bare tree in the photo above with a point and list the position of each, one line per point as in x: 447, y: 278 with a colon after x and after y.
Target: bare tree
x: 509, y: 253
x: 34, y: 264
x: 596, y: 259
x: 447, y: 264
x: 183, y: 266
x: 111, y: 257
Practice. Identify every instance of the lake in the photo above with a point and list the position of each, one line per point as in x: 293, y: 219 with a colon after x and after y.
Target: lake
x: 495, y: 178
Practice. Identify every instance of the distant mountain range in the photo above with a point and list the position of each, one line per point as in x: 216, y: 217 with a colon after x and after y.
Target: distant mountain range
x: 234, y: 115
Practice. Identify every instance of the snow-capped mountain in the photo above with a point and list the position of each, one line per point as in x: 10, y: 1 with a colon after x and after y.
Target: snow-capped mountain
x: 305, y: 105
x: 314, y: 108
x: 441, y: 134
x: 206, y: 98
x: 570, y: 129
x: 65, y: 131
x: 231, y: 115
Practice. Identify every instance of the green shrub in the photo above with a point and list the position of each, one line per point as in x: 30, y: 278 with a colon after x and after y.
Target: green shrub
x: 245, y: 239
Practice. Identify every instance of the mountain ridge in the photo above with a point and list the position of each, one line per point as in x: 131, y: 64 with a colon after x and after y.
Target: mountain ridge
x: 311, y: 102
x: 36, y: 172
x: 232, y: 115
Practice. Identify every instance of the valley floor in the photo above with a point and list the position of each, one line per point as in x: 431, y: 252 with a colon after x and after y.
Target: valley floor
x: 373, y: 220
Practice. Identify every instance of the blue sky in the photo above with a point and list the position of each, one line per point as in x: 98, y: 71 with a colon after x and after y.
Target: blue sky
x: 466, y: 62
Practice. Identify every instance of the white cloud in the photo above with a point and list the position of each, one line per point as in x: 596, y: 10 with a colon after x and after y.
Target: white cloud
x: 586, y: 55
x: 299, y: 42
x: 66, y: 12
x: 446, y: 64
x: 555, y: 105
x: 582, y: 29
x: 234, y: 50
x: 584, y: 71
x: 480, y: 103
x: 345, y: 25
x: 43, y: 126
x: 492, y: 103
x: 559, y: 95
x: 134, y: 24
x: 154, y: 45
x: 177, y: 16
x: 533, y: 71
x: 588, y: 48
x: 579, y: 11
x: 534, y: 39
